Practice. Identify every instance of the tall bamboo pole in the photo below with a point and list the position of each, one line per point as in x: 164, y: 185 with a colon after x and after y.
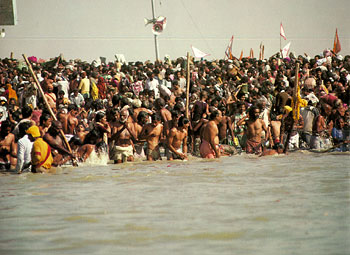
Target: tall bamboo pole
x: 263, y: 50
x: 295, y: 106
x: 46, y: 103
x: 188, y: 84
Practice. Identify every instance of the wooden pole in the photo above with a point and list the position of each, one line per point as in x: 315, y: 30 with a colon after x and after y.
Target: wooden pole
x: 188, y: 84
x: 296, y: 84
x: 46, y: 103
x: 11, y: 55
x: 260, y: 51
x: 263, y: 51
x: 295, y: 106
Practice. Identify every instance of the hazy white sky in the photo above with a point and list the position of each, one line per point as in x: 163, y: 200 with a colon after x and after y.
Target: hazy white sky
x: 88, y: 29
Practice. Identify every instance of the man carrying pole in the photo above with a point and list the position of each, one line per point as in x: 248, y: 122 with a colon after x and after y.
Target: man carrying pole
x: 74, y: 162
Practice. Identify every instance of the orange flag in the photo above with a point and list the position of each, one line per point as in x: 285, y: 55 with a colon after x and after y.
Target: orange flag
x: 240, y: 58
x: 336, y: 45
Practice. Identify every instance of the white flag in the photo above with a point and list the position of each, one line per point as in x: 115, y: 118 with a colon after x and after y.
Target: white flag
x: 198, y: 54
x: 285, y: 50
x: 282, y: 32
x: 228, y: 51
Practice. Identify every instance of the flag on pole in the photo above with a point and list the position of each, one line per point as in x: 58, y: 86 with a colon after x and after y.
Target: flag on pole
x: 336, y: 45
x: 228, y: 51
x: 282, y: 32
x: 198, y: 53
x: 260, y: 51
x: 251, y: 54
x: 285, y: 50
x: 240, y: 58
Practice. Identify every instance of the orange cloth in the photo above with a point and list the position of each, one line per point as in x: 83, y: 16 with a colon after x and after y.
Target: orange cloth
x: 12, y: 92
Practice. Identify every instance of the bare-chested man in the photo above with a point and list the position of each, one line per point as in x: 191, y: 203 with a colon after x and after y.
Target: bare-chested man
x: 59, y: 152
x: 123, y: 134
x: 8, y: 147
x: 142, y: 120
x: 81, y: 132
x: 69, y: 121
x: 153, y: 132
x: 82, y: 151
x: 210, y: 137
x: 164, y: 113
x: 255, y: 126
x: 45, y: 123
x: 177, y: 140
x: 51, y: 97
x: 224, y: 126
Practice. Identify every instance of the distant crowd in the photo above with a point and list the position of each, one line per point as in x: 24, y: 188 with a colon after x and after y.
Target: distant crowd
x: 139, y: 110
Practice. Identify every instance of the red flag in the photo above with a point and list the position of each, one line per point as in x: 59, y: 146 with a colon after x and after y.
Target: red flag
x: 228, y: 51
x: 336, y: 45
x: 282, y: 32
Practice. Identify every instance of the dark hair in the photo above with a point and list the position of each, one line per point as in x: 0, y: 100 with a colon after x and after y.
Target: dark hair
x: 141, y: 115
x: 44, y: 117
x: 182, y: 121
x: 23, y: 127
x: 156, y: 117
x: 26, y: 111
x: 175, y: 114
x: 72, y: 107
x: 99, y: 116
x: 213, y: 115
x: 160, y: 102
x: 75, y: 141
x: 16, y: 115
x: 252, y: 110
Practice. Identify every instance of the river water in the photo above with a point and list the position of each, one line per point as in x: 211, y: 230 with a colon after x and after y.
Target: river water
x: 294, y: 204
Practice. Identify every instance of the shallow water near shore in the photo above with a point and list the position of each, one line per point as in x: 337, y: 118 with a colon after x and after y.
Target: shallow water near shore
x: 295, y: 204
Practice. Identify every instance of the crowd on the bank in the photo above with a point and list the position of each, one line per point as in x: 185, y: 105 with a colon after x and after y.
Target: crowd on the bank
x: 138, y: 110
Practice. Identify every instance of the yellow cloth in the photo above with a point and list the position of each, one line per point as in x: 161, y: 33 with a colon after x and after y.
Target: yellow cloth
x: 287, y: 108
x: 41, y: 154
x: 34, y: 131
x: 296, y: 105
x: 84, y: 86
x: 324, y: 88
x: 94, y: 91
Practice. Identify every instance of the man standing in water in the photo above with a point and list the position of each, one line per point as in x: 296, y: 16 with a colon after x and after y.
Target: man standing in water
x: 123, y: 149
x: 210, y: 139
x: 153, y: 132
x: 255, y: 126
x: 8, y: 147
x: 177, y: 140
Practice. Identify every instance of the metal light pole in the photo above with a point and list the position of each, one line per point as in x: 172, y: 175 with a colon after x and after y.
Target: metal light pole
x: 155, y: 36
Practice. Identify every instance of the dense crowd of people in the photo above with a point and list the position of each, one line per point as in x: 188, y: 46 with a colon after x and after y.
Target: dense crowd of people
x: 139, y: 110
